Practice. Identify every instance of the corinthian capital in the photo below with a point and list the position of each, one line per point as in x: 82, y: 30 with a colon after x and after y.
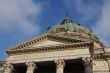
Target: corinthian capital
x: 8, y: 67
x: 31, y: 65
x: 60, y: 63
x: 87, y: 60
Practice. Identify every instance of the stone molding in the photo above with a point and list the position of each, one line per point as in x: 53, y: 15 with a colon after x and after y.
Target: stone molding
x: 59, y: 37
x: 49, y: 48
x: 41, y: 38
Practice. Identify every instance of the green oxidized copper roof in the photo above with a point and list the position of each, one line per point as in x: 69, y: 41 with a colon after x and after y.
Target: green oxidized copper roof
x: 68, y: 25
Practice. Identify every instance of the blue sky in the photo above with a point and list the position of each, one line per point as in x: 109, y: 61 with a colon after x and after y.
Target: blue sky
x: 21, y: 20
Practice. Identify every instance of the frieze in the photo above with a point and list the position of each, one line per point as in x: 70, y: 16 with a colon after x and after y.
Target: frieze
x: 50, y: 54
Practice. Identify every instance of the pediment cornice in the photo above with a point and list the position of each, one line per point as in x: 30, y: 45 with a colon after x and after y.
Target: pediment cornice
x: 66, y: 39
x: 50, y: 48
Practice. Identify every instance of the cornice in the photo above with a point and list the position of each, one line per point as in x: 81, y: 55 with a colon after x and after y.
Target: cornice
x: 49, y: 48
x: 45, y: 37
x: 101, y: 56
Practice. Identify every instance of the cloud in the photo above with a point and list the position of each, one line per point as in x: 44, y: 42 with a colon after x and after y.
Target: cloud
x: 102, y: 27
x: 86, y: 9
x: 19, y: 15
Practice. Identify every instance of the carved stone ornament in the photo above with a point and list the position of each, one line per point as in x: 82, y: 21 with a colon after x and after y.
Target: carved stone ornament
x: 8, y: 67
x: 31, y: 66
x: 60, y: 64
x: 88, y: 61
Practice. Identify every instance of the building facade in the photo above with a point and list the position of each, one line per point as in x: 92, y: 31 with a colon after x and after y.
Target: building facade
x: 1, y: 66
x: 67, y: 47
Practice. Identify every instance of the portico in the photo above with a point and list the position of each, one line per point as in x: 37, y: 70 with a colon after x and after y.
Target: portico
x: 57, y: 66
x: 66, y: 48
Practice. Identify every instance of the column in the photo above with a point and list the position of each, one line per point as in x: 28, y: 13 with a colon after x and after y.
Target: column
x: 8, y: 68
x: 30, y: 67
x: 88, y: 65
x: 60, y: 64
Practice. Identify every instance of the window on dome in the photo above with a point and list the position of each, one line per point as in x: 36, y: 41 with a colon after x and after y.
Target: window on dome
x: 60, y: 30
x: 82, y: 31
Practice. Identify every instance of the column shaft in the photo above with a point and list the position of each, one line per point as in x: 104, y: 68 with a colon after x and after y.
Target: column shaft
x: 88, y: 65
x: 88, y: 68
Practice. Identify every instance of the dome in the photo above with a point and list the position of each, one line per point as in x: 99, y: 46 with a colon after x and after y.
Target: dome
x: 67, y: 25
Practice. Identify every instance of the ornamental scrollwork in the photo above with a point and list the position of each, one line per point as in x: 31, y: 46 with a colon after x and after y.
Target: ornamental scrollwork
x: 88, y: 61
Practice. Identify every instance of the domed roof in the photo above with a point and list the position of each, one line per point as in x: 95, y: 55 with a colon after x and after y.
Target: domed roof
x: 67, y: 25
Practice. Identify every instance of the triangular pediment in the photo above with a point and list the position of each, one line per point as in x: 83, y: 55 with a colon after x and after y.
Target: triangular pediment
x: 47, y: 43
x: 47, y: 40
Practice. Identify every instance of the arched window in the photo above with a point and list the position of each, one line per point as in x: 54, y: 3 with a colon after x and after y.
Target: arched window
x: 60, y: 30
x: 82, y: 31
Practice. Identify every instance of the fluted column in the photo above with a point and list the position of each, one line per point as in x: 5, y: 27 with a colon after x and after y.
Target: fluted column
x: 8, y: 68
x: 60, y: 64
x: 30, y: 67
x: 88, y: 65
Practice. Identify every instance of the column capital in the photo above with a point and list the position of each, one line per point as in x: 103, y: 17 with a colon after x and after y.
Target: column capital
x: 31, y: 65
x: 87, y: 60
x: 8, y: 67
x: 88, y: 65
x: 60, y: 63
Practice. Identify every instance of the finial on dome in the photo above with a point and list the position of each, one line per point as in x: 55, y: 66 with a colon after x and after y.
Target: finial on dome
x: 67, y: 20
x: 67, y: 14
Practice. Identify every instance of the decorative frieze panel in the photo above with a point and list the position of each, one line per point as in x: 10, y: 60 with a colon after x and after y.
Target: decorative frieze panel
x: 100, y: 66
